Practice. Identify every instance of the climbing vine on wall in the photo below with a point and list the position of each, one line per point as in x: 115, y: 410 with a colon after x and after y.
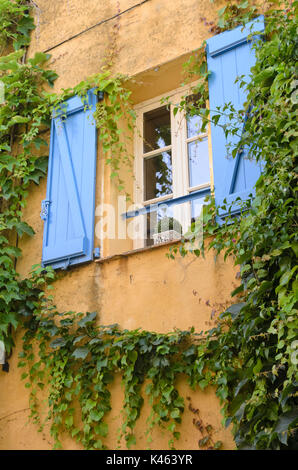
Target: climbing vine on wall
x: 114, y: 118
x: 16, y: 24
x: 77, y: 360
x: 63, y: 343
x: 25, y: 113
x: 254, y: 361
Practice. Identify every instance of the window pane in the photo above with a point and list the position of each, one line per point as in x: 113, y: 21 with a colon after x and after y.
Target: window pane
x: 194, y: 122
x: 198, y: 160
x: 157, y: 129
x: 153, y: 219
x: 158, y: 176
x: 196, y: 208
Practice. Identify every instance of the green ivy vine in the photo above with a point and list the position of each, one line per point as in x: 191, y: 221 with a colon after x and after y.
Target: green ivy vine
x: 23, y: 116
x: 24, y: 120
x: 253, y: 352
x: 16, y: 24
x: 78, y: 359
x: 64, y: 343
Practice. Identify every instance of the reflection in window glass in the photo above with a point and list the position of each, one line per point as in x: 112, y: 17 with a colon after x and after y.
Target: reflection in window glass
x: 193, y: 121
x: 196, y: 208
x: 157, y: 129
x: 198, y: 161
x: 194, y: 124
x: 158, y: 176
x: 152, y: 220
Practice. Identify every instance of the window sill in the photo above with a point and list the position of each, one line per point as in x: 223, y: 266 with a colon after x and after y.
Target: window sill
x: 135, y: 252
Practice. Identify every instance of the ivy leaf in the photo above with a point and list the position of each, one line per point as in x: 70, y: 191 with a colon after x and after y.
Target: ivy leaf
x: 240, y: 412
x: 287, y: 276
x: 23, y: 227
x: 96, y: 415
x: 175, y: 414
x: 58, y: 343
x: 33, y: 176
x: 7, y: 161
x: 240, y: 385
x: 130, y: 440
x: 11, y: 64
x: 12, y: 319
x: 69, y: 421
x: 80, y: 353
x: 25, y: 24
x: 41, y: 163
x: 101, y: 429
x: 258, y: 367
x: 203, y: 442
x: 218, y: 445
x: 87, y: 320
x: 38, y: 142
x: 235, y: 309
x: 39, y: 58
x: 51, y: 76
x: 265, y: 77
x: 98, y: 444
x: 101, y: 363
x: 19, y: 120
x: 286, y: 420
x: 78, y: 339
x: 238, y: 290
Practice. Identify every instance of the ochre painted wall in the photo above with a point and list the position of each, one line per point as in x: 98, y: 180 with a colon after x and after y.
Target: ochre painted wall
x: 142, y: 289
x: 151, y: 34
x: 138, y: 289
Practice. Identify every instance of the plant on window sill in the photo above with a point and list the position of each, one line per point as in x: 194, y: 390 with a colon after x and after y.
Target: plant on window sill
x: 167, y: 229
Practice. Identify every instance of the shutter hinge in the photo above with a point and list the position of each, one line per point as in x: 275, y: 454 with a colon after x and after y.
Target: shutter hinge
x: 44, y: 209
x: 97, y: 252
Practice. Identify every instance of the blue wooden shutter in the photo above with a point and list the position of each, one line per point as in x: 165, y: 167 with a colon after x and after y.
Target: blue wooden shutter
x: 68, y: 210
x: 230, y: 55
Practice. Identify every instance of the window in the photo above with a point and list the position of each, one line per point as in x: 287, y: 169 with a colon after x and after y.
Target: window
x: 172, y: 164
x: 172, y: 161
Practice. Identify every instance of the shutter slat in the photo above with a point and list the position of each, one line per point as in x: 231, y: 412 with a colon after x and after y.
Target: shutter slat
x: 69, y: 178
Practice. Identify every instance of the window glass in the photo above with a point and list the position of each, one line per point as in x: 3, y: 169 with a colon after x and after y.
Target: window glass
x: 194, y: 124
x: 158, y: 176
x: 158, y: 156
x: 193, y: 121
x: 197, y: 207
x: 152, y: 220
x: 198, y: 161
x: 157, y: 129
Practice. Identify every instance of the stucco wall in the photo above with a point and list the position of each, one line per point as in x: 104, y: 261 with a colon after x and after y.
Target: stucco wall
x: 150, y: 34
x: 142, y: 289
x: 136, y: 290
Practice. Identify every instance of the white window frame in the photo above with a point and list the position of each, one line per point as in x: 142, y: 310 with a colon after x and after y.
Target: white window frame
x: 179, y: 152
